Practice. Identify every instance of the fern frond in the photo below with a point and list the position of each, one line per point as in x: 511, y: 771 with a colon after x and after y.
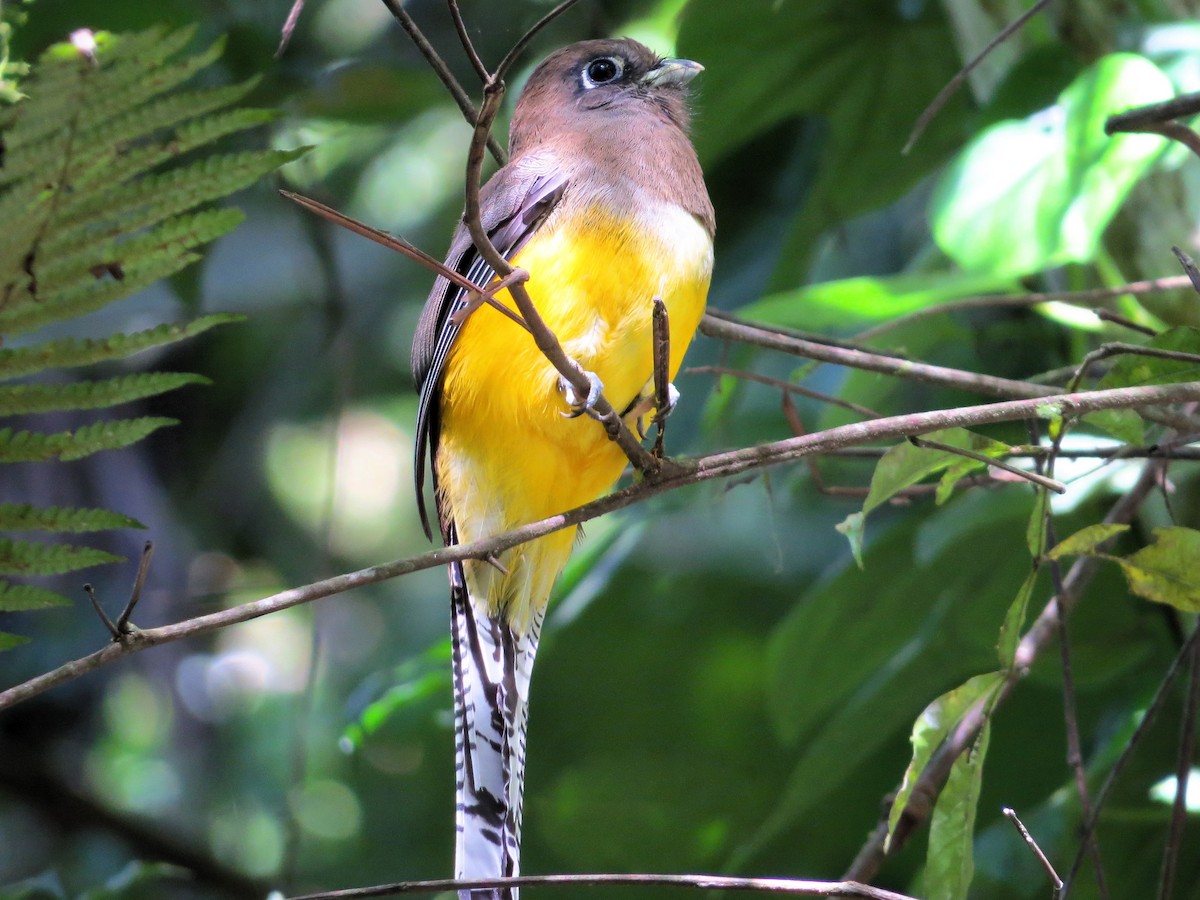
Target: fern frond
x: 110, y: 135
x: 78, y: 266
x: 38, y: 398
x: 28, y: 558
x: 27, y: 517
x: 23, y: 597
x: 73, y: 352
x: 33, y: 446
x: 88, y: 296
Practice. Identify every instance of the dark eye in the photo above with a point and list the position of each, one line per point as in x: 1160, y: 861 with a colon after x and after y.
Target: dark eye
x: 602, y: 71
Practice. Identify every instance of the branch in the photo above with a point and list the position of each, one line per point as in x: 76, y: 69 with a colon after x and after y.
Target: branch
x: 790, y: 886
x: 685, y: 472
x: 1039, y: 636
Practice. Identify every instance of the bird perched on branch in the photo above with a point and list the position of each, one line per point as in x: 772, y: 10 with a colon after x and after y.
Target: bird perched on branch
x: 604, y: 205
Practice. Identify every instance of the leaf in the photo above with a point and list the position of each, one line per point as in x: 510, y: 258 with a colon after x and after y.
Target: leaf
x: 828, y: 62
x: 22, y: 597
x: 1133, y: 370
x: 27, y: 517
x: 1014, y: 621
x: 7, y: 642
x: 842, y: 303
x: 936, y: 721
x: 906, y: 464
x: 29, y: 446
x: 1168, y: 570
x: 38, y: 398
x: 1039, y: 192
x: 950, y: 864
x: 26, y: 558
x: 1035, y: 531
x: 71, y: 352
x: 1085, y: 541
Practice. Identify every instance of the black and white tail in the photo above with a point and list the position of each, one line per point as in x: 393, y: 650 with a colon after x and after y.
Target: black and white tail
x: 492, y: 667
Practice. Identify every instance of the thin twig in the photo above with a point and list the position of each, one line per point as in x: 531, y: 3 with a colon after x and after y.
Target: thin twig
x: 518, y: 48
x: 1189, y: 267
x: 1041, y: 480
x: 1107, y: 315
x: 465, y: 39
x: 1035, y: 640
x: 871, y: 362
x: 1106, y: 351
x: 139, y: 582
x: 400, y: 245
x: 788, y: 387
x: 113, y: 631
x: 1183, y: 768
x: 1086, y: 298
x: 289, y: 26
x: 954, y: 83
x: 790, y: 886
x: 661, y: 326
x: 396, y: 8
x: 685, y: 472
x: 1011, y: 815
x: 1135, y: 739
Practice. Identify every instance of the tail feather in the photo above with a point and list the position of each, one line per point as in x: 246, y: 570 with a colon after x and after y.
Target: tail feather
x: 492, y: 669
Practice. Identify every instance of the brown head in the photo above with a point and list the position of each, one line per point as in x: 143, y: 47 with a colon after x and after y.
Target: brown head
x: 595, y: 85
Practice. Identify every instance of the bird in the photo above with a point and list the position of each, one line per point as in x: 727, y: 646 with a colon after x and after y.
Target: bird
x: 603, y: 203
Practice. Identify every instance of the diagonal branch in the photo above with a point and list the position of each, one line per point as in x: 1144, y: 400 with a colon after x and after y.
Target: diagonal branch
x: 685, y: 472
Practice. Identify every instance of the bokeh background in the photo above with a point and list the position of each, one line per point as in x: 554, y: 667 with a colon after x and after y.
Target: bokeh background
x: 719, y: 688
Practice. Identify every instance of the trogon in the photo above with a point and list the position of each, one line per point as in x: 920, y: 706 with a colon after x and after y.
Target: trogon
x: 603, y: 203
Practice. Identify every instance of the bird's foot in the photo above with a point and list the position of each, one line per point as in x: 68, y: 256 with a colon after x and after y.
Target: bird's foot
x: 579, y: 407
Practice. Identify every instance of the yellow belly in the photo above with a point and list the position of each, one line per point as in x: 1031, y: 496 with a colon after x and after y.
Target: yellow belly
x: 506, y: 454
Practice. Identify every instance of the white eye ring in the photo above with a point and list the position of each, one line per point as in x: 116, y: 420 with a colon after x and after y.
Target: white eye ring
x: 604, y: 70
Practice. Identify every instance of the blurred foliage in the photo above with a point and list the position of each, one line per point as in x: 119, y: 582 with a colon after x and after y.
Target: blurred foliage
x: 721, y: 686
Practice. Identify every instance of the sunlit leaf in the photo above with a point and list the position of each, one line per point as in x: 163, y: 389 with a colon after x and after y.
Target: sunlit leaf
x: 1026, y: 195
x: 1085, y: 541
x: 838, y: 304
x: 1167, y: 571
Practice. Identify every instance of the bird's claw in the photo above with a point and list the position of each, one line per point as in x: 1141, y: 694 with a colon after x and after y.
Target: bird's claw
x: 578, y: 407
x: 669, y: 407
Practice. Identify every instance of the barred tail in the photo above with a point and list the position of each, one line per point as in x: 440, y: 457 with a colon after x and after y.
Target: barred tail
x: 492, y: 666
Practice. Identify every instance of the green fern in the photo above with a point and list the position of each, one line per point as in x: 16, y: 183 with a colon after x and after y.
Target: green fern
x: 105, y: 170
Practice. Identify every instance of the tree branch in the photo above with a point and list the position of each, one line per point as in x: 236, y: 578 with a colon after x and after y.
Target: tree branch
x: 790, y: 886
x: 686, y: 472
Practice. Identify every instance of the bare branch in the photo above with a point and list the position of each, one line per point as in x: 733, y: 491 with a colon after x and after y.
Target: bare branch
x: 1034, y: 849
x: 794, y: 887
x: 396, y: 8
x: 684, y: 472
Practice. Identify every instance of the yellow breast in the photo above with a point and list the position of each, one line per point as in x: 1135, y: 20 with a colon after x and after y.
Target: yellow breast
x: 506, y: 454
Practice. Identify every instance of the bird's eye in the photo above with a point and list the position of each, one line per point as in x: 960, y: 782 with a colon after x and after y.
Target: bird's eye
x: 602, y: 70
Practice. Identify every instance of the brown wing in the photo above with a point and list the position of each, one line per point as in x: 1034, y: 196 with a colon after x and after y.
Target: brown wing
x: 514, y: 203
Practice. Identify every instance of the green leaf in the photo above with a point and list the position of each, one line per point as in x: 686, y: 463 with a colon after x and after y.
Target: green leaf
x: 22, y: 597
x: 1030, y: 194
x: 26, y: 558
x: 1167, y: 571
x: 950, y: 863
x: 828, y: 62
x: 72, y: 352
x: 1085, y: 541
x: 907, y: 464
x: 27, y: 517
x: 7, y: 642
x: 29, y: 446
x: 1133, y: 370
x: 937, y: 720
x: 850, y: 301
x: 1014, y: 621
x: 37, y: 398
x: 1035, y: 530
